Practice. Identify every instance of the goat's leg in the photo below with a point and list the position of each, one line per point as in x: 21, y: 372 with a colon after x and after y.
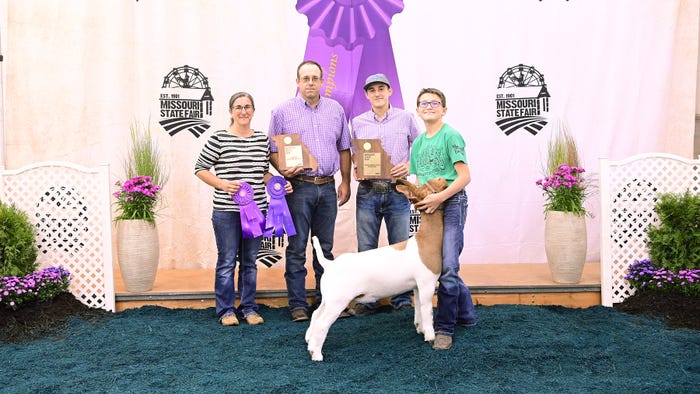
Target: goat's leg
x: 426, y: 311
x: 322, y: 320
x: 314, y: 319
x: 417, y: 311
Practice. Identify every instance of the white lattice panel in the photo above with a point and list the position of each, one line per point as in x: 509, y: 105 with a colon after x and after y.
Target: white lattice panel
x: 628, y: 194
x: 69, y: 206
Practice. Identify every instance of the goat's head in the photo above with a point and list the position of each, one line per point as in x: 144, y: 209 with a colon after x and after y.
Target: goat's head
x: 415, y: 193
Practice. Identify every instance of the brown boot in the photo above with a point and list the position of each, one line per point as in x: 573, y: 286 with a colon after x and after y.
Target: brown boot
x: 442, y: 342
x: 254, y: 319
x: 229, y: 320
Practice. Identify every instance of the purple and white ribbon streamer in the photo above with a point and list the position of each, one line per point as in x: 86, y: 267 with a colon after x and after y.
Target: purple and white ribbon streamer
x: 279, y: 219
x: 252, y: 219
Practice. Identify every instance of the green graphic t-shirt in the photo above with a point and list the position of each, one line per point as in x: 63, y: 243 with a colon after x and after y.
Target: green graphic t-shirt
x: 434, y: 157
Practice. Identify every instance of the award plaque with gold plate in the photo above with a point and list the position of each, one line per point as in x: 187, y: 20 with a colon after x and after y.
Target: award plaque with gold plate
x: 371, y: 159
x: 294, y: 153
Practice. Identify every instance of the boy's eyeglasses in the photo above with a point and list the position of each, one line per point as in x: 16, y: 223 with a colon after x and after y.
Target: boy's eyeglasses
x: 426, y: 104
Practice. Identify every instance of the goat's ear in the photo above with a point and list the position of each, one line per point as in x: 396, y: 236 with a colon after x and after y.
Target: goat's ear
x: 405, y: 182
x: 406, y: 187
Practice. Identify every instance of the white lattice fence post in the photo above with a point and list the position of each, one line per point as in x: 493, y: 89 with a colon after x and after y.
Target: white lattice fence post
x: 629, y: 190
x: 69, y: 206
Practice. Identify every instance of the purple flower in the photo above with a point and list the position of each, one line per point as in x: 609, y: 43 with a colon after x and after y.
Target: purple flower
x: 43, y: 285
x: 565, y: 190
x: 643, y: 272
x: 136, y: 198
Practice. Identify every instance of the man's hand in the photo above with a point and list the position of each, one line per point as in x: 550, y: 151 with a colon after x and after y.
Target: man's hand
x: 399, y: 170
x: 343, y: 193
x: 291, y: 172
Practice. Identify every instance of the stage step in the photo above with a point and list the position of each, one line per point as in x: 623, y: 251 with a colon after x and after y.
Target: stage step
x: 490, y: 284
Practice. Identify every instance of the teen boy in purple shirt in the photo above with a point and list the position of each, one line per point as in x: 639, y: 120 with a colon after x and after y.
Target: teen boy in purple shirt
x: 377, y: 199
x: 321, y: 124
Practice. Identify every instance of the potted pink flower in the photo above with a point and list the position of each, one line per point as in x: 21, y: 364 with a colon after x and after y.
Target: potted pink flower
x: 565, y: 190
x: 137, y: 234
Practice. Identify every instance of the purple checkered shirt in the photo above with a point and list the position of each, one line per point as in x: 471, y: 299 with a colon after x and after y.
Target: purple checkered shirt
x: 323, y: 129
x: 397, y: 131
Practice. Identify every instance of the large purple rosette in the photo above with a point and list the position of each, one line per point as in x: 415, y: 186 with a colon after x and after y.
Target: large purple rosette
x: 279, y: 219
x: 350, y: 39
x: 252, y: 219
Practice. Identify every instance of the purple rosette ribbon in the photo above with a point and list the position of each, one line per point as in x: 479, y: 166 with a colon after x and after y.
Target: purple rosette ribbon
x: 278, y: 219
x: 252, y: 219
x: 350, y: 40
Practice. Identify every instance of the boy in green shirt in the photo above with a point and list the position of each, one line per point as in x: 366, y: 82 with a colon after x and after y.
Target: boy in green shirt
x: 439, y: 152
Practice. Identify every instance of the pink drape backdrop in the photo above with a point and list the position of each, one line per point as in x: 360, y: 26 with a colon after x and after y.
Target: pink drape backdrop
x: 620, y: 73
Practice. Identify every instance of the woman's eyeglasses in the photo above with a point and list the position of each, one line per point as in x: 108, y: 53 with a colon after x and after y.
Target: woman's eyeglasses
x: 240, y: 108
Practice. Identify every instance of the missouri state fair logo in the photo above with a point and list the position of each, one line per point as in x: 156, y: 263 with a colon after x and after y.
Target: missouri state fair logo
x: 185, y: 101
x: 522, y: 100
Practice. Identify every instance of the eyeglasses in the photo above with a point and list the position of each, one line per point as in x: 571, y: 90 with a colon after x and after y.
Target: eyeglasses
x: 310, y: 79
x: 246, y: 107
x: 426, y: 104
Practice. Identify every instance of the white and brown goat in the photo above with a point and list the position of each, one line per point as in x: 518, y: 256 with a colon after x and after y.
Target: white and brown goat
x: 414, y: 264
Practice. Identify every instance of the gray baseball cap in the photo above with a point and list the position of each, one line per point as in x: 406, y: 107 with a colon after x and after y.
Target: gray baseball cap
x: 381, y: 78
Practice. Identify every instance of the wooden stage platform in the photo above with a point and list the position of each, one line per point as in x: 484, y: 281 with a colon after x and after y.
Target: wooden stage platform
x: 490, y: 284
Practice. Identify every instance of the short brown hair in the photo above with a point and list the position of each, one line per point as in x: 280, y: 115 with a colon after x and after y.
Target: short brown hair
x: 305, y: 62
x: 434, y: 91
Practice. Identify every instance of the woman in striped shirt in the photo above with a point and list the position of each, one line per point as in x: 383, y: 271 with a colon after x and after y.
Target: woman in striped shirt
x: 237, y: 154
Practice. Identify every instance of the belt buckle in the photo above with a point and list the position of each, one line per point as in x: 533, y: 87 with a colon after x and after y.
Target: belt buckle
x: 381, y: 187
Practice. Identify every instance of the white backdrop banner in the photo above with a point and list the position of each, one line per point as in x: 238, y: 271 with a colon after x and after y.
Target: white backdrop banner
x: 79, y: 72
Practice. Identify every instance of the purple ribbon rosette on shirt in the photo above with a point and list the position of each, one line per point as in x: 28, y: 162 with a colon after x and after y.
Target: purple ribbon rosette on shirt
x: 350, y: 40
x: 278, y: 219
x: 252, y: 219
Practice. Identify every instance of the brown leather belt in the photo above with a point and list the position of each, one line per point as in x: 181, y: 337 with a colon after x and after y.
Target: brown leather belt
x: 316, y: 180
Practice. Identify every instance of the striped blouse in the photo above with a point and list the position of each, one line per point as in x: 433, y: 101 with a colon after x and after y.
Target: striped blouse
x: 236, y: 159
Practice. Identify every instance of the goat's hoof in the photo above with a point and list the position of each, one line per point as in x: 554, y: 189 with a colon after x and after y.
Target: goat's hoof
x: 316, y: 356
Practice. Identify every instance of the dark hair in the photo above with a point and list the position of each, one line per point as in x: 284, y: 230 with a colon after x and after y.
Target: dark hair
x: 305, y: 62
x: 434, y: 91
x: 235, y: 97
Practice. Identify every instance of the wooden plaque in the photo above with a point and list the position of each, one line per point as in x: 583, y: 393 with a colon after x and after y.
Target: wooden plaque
x: 371, y: 159
x: 294, y: 153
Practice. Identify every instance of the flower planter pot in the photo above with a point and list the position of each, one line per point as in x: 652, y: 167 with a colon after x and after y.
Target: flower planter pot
x: 137, y: 253
x: 565, y: 245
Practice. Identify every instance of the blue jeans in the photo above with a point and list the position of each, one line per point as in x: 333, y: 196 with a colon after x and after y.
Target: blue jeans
x: 371, y: 207
x: 454, y: 304
x: 314, y: 209
x: 231, y: 244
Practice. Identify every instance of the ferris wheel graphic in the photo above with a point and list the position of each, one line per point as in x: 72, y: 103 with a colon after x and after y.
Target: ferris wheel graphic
x: 521, y: 76
x: 192, y: 97
x: 522, y: 100
x: 185, y: 77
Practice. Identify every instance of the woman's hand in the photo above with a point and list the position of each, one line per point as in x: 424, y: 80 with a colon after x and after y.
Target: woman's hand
x: 230, y: 187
